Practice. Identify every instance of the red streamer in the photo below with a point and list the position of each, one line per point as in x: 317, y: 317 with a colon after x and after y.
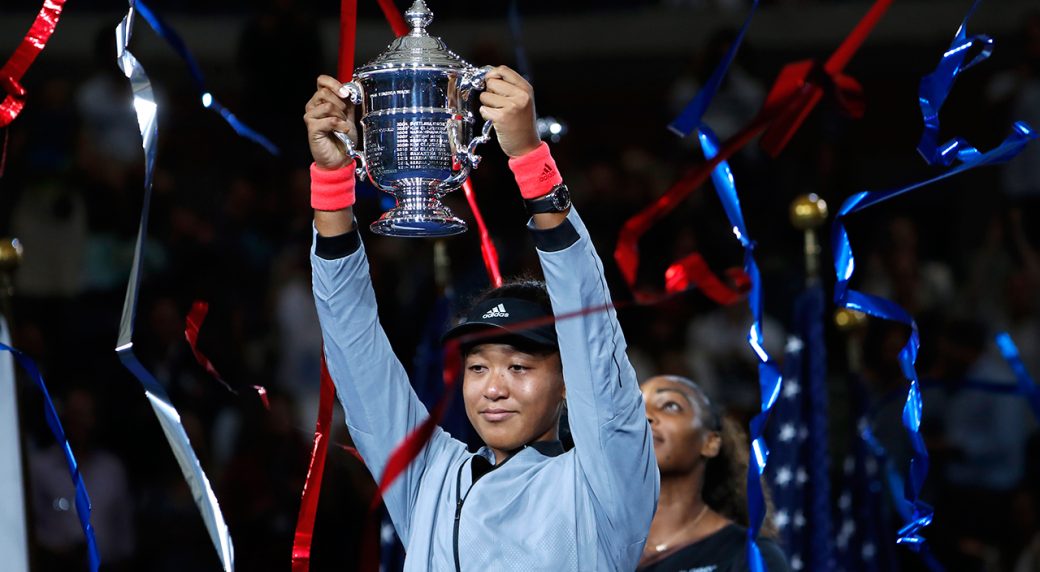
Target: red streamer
x: 796, y: 91
x: 3, y: 152
x: 394, y: 18
x: 347, y: 38
x: 693, y: 271
x: 192, y: 325
x: 261, y: 391
x: 487, y: 248
x: 304, y: 536
x: 22, y: 58
x: 301, y: 554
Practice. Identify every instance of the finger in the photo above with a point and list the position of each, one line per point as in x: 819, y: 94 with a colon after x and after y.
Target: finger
x: 491, y: 114
x: 323, y: 110
x: 494, y: 100
x: 329, y: 82
x: 331, y: 97
x: 503, y: 87
x: 314, y: 101
x: 324, y: 95
x: 510, y: 76
x: 320, y: 128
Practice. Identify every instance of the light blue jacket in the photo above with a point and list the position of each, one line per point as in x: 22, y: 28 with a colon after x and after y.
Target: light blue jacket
x: 542, y: 509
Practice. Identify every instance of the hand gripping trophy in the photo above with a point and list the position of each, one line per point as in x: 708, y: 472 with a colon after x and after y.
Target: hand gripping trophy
x: 416, y: 101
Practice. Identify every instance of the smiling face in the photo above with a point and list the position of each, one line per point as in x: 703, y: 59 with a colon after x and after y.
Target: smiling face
x: 512, y: 397
x: 678, y: 419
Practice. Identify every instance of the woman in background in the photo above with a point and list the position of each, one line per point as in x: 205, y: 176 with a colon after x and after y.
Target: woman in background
x: 702, y: 514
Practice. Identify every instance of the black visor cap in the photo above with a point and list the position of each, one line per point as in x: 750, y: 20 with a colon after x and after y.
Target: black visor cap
x: 514, y: 321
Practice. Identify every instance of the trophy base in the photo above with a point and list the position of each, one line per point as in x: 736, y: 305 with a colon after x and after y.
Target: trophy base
x: 418, y: 215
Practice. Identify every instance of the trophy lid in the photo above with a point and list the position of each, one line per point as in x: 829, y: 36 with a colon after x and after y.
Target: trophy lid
x: 418, y: 48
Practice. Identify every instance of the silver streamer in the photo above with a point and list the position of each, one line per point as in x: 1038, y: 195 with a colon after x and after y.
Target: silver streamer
x: 169, y: 419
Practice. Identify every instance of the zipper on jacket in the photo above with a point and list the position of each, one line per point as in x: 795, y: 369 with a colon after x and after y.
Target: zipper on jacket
x: 459, y: 499
x: 458, y: 516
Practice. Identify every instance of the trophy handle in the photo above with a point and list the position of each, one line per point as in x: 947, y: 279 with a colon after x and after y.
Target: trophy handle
x: 353, y: 93
x: 474, y: 80
x: 470, y: 153
x: 467, y: 158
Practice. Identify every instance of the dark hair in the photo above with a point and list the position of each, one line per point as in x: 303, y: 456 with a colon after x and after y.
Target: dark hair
x: 725, y: 475
x: 523, y: 288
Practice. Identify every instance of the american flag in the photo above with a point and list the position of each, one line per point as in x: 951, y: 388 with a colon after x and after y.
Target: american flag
x: 798, y: 469
x: 865, y: 540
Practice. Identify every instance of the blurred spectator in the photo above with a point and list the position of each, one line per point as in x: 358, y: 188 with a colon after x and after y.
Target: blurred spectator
x: 51, y: 222
x: 110, y: 137
x: 978, y: 439
x: 56, y: 523
x: 897, y: 272
x: 1019, y: 87
x: 722, y: 361
x: 280, y: 56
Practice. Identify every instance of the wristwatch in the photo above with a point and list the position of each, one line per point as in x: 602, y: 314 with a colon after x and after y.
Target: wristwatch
x: 557, y: 201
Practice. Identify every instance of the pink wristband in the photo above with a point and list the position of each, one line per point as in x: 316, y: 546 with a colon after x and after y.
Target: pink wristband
x: 332, y: 190
x: 535, y: 172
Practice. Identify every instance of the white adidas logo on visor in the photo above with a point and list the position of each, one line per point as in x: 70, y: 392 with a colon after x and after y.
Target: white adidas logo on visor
x: 498, y: 311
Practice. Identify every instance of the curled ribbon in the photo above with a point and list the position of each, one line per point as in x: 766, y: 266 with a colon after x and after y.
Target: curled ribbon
x: 769, y: 377
x: 797, y: 90
x: 22, y: 58
x: 172, y: 38
x: 921, y: 513
x: 51, y: 415
x: 936, y: 86
x: 933, y: 91
x: 799, y: 87
x: 206, y: 501
x: 1026, y: 386
x: 844, y: 296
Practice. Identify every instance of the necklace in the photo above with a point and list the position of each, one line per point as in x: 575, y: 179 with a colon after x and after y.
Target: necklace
x: 661, y: 547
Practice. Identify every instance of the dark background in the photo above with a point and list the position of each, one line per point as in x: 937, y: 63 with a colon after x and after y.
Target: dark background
x: 231, y: 225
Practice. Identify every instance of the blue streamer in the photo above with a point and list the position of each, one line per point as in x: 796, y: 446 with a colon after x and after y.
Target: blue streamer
x: 689, y: 118
x: 921, y: 514
x: 1026, y: 386
x: 768, y: 373
x: 82, y: 499
x: 208, y: 101
x: 933, y: 92
x: 936, y: 86
x: 844, y: 266
x: 895, y: 483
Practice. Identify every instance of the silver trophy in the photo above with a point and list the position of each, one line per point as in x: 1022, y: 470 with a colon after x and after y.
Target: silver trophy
x: 416, y: 101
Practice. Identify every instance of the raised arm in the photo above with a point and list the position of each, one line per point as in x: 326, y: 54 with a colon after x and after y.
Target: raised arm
x: 606, y: 413
x: 381, y: 407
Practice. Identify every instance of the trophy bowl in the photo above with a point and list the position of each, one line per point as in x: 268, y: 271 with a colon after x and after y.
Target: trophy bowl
x: 415, y: 102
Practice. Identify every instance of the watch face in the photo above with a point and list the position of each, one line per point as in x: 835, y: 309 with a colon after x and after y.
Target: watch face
x: 561, y: 198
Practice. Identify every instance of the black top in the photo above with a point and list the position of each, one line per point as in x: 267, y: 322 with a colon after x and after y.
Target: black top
x: 724, y: 551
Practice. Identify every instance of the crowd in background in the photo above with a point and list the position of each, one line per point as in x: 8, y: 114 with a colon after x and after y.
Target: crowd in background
x: 231, y: 225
